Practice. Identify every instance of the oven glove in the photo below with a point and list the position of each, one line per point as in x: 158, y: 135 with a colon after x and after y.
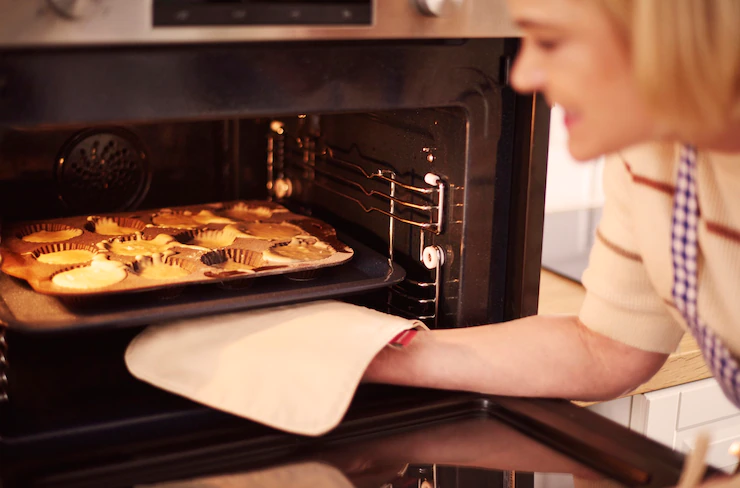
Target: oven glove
x: 304, y: 475
x: 294, y: 368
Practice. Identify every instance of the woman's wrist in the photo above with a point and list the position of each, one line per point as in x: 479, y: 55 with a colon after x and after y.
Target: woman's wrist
x: 394, y: 364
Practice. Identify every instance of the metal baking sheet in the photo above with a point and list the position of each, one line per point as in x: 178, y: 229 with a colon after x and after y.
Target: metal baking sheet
x: 166, y: 248
x: 27, y: 311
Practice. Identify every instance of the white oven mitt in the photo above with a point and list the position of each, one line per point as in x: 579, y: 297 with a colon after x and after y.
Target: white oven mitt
x: 294, y: 368
x: 303, y: 475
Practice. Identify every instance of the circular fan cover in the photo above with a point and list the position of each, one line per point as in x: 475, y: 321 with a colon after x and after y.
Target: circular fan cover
x: 102, y: 171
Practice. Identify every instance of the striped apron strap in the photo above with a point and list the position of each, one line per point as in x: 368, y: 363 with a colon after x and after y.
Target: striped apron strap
x: 685, y: 254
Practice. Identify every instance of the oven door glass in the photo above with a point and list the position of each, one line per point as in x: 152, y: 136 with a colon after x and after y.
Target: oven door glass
x: 391, y: 437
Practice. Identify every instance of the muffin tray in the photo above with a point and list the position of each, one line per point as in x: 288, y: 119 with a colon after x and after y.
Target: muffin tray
x: 225, y: 242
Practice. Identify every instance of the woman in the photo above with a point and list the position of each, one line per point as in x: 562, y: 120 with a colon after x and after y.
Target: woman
x: 656, y: 84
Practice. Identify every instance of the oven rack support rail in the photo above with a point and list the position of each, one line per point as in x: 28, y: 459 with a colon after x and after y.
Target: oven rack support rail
x: 431, y: 213
x: 281, y: 186
x: 3, y: 363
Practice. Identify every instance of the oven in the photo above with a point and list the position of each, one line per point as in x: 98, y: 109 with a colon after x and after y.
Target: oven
x: 393, y: 121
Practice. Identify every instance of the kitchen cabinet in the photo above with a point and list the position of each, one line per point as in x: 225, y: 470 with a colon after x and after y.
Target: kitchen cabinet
x: 672, y: 407
x: 675, y: 416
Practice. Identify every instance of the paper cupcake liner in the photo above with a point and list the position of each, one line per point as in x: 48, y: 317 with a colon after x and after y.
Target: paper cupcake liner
x: 120, y: 221
x: 63, y: 246
x: 241, y: 256
x: 31, y: 229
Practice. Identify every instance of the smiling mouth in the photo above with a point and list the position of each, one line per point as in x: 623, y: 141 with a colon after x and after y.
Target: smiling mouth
x: 570, y: 118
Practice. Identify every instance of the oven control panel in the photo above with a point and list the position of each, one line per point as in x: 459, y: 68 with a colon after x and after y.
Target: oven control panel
x: 75, y: 9
x: 262, y: 12
x: 52, y: 23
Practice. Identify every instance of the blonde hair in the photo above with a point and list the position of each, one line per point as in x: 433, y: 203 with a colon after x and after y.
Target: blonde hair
x: 686, y: 59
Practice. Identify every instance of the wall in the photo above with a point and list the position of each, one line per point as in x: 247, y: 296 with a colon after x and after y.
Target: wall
x: 570, y: 184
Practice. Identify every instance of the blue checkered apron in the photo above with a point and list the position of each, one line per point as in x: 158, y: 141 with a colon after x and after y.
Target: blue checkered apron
x: 685, y: 253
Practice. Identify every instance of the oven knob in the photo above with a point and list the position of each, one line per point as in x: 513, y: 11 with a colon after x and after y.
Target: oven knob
x: 74, y: 9
x: 433, y: 257
x: 283, y: 188
x: 438, y: 8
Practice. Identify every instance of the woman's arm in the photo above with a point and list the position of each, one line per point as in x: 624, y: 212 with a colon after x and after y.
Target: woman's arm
x: 540, y: 356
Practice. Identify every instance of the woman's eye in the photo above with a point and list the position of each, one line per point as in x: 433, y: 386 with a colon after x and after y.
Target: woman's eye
x: 546, y: 44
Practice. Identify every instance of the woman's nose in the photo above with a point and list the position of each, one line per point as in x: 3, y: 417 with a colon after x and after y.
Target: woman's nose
x: 527, y: 75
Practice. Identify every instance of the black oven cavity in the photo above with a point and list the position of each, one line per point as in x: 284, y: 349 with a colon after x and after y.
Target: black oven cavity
x: 417, y: 152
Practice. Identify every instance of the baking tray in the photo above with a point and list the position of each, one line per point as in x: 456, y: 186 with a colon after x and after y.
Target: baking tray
x: 162, y: 249
x: 30, y: 312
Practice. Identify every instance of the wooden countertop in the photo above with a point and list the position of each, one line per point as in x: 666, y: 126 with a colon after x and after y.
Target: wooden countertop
x: 560, y: 295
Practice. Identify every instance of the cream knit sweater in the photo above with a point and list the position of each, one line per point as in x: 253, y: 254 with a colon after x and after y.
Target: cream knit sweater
x: 630, y: 274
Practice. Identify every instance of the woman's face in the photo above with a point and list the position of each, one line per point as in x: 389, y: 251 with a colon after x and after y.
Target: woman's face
x: 573, y: 55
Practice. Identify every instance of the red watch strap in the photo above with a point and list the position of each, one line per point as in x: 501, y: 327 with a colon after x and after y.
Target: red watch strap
x: 404, y: 338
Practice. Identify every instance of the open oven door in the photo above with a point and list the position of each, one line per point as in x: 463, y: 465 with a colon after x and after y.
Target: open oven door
x: 390, y: 437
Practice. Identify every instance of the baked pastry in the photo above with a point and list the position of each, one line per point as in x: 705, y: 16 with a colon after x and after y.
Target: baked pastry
x: 68, y: 256
x: 175, y: 220
x: 272, y: 231
x: 187, y: 219
x: 139, y: 246
x: 298, y: 251
x: 205, y: 217
x: 234, y: 259
x: 163, y: 271
x: 100, y: 273
x: 213, y: 239
x: 156, y: 267
x: 41, y: 236
x: 243, y: 211
x: 110, y: 227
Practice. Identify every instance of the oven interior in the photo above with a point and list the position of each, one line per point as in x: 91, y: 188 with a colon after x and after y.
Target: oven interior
x: 386, y: 180
x: 442, y: 192
x: 394, y: 181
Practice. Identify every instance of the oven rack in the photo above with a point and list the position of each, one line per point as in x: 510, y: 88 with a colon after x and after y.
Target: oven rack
x: 3, y: 363
x: 325, y: 163
x: 398, y: 291
x: 313, y: 158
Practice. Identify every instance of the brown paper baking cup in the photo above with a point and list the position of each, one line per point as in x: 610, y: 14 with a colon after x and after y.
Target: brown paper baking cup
x: 241, y: 256
x: 309, y: 241
x: 306, y: 275
x: 207, y: 238
x: 108, y: 244
x: 31, y: 229
x: 185, y: 264
x: 120, y: 221
x: 78, y: 266
x: 68, y: 268
x: 63, y: 246
x: 182, y: 262
x: 187, y: 219
x: 170, y: 291
x: 266, y: 230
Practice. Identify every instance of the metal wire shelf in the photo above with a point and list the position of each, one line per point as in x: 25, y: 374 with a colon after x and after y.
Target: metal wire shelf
x: 3, y: 363
x: 422, y: 207
x: 322, y: 166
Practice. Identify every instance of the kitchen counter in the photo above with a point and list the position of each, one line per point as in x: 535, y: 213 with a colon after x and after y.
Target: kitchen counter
x: 560, y: 295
